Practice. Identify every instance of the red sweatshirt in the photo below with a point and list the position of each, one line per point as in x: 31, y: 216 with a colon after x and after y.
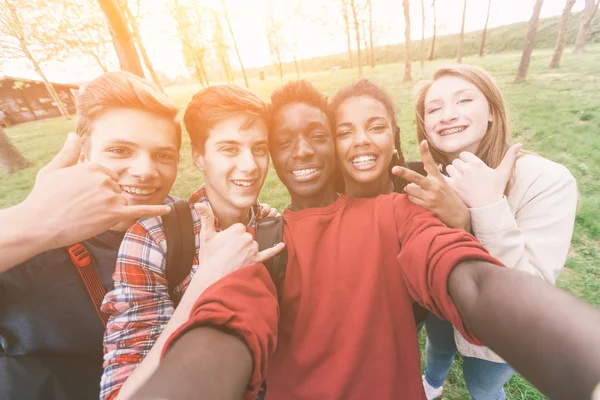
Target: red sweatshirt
x: 346, y: 329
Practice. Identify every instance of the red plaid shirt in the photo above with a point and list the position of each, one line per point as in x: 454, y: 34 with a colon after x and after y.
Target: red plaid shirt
x: 139, y: 306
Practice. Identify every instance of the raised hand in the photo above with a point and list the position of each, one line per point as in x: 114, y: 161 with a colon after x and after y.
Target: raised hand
x: 477, y: 184
x: 234, y: 247
x: 433, y: 192
x: 74, y: 201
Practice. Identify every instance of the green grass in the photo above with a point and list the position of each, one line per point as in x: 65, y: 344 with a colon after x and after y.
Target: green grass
x: 555, y: 113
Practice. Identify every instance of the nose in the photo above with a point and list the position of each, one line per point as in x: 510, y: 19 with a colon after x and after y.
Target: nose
x: 448, y: 114
x: 361, y: 138
x: 144, y: 168
x: 303, y: 150
x: 246, y: 162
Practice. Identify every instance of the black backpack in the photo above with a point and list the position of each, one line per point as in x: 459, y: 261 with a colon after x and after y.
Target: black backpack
x: 181, y: 248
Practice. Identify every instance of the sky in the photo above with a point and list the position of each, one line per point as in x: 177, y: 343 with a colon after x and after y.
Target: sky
x: 310, y: 28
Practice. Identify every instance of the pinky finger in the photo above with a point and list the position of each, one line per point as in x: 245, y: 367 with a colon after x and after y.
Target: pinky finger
x: 452, y: 171
x: 417, y: 201
x: 270, y: 252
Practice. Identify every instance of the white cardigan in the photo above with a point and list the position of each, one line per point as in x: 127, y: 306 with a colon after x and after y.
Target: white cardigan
x: 530, y: 230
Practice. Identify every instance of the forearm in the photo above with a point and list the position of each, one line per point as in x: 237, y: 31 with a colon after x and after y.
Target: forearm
x: 204, y: 277
x: 220, y: 367
x: 550, y: 337
x: 21, y: 236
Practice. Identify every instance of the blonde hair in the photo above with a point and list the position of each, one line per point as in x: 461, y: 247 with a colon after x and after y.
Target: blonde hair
x: 495, y: 143
x: 121, y: 89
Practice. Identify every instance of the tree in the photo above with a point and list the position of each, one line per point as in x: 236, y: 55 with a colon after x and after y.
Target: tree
x: 121, y: 37
x: 585, y: 28
x: 371, y: 51
x: 32, y: 30
x: 86, y: 31
x: 407, y: 63
x: 432, y: 53
x: 132, y: 21
x: 347, y: 25
x: 422, y: 34
x: 483, y: 36
x: 563, y: 29
x: 221, y: 48
x: 188, y: 18
x: 275, y: 38
x: 10, y: 158
x: 461, y: 41
x: 354, y: 8
x: 529, y: 41
x: 237, y: 51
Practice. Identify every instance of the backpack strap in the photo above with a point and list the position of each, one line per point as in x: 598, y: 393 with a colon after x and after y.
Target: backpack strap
x: 181, y: 246
x: 269, y: 232
x: 81, y: 258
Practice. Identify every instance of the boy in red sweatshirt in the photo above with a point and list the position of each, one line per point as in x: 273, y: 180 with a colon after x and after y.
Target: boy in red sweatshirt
x: 346, y: 328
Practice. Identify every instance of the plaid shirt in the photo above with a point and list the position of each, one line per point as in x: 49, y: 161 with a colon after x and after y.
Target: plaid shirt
x: 139, y: 307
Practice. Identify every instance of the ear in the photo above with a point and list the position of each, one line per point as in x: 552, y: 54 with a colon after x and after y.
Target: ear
x: 198, y: 159
x: 490, y: 117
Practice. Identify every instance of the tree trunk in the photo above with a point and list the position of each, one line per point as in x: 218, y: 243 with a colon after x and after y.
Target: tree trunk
x: 407, y: 64
x: 529, y: 41
x: 563, y: 29
x: 121, y: 37
x: 432, y: 53
x: 59, y: 104
x: 585, y: 28
x: 461, y: 41
x: 371, y: 51
x: 237, y: 51
x: 483, y: 37
x: 348, y: 40
x: 140, y: 44
x: 422, y: 34
x: 10, y: 158
x: 296, y: 65
x: 367, y: 53
x: 357, y: 29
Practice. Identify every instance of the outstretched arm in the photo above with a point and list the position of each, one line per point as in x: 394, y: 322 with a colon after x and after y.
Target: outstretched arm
x: 220, y: 364
x: 549, y: 336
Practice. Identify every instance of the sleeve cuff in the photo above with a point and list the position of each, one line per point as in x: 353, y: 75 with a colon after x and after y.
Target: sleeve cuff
x: 492, y: 218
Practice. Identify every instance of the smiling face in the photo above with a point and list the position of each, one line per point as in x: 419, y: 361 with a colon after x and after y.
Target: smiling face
x: 456, y: 116
x: 364, y: 142
x: 141, y: 148
x: 235, y: 160
x: 303, y: 153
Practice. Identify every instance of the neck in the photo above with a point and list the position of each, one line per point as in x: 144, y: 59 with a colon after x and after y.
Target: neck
x: 226, y: 214
x: 328, y: 196
x: 370, y: 189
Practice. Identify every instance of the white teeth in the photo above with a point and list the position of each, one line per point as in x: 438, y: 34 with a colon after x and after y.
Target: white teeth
x: 452, y: 131
x: 138, y: 191
x: 244, y: 183
x: 304, y: 172
x: 363, y: 159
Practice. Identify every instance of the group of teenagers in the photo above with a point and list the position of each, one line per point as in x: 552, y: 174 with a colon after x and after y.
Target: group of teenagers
x: 476, y: 234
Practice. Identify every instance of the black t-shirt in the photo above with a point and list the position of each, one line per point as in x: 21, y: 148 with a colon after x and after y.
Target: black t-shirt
x: 46, y: 313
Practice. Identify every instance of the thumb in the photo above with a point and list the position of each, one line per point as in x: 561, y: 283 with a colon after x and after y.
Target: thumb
x: 507, y: 163
x: 207, y: 221
x: 69, y: 154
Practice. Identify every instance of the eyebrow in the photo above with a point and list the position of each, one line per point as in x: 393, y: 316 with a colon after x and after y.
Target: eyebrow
x: 370, y: 120
x: 236, y: 143
x: 134, y: 144
x: 453, y: 94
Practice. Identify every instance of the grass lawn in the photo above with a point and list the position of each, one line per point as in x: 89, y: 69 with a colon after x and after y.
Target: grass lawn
x: 555, y: 113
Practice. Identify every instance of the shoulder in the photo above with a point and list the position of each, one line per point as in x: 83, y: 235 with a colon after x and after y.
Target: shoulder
x: 535, y: 174
x: 530, y: 167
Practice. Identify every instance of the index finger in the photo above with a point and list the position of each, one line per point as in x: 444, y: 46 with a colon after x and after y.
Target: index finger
x: 270, y: 252
x: 428, y: 162
x: 411, y: 176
